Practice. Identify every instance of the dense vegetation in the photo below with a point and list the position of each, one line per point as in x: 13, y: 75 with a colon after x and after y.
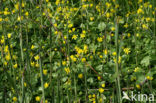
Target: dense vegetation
x: 76, y: 51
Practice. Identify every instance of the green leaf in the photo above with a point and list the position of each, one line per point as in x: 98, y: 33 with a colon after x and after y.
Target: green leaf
x: 113, y: 77
x: 91, y: 23
x: 101, y: 26
x: 90, y: 80
x: 64, y: 79
x: 145, y: 61
x: 141, y: 78
x: 82, y: 25
x: 99, y: 67
x: 153, y: 59
x: 30, y: 26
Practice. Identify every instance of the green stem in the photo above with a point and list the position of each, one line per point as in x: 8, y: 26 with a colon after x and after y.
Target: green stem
x: 42, y: 82
x: 21, y: 47
x: 117, y: 64
x: 40, y: 61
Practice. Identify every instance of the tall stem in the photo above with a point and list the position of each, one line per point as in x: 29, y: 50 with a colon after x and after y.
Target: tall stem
x: 21, y: 47
x: 40, y: 62
x: 117, y: 64
x: 42, y: 82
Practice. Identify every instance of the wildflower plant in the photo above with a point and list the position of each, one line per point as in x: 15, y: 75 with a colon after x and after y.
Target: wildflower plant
x: 72, y: 51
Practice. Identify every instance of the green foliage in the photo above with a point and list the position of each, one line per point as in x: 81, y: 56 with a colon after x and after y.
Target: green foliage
x: 76, y: 51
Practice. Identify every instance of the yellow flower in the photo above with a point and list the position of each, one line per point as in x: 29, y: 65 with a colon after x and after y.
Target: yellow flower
x: 107, y: 14
x: 6, y: 12
x: 100, y: 56
x: 94, y: 95
x: 126, y: 25
x: 136, y: 69
x: 26, y: 13
x: 55, y: 25
x: 79, y: 51
x: 112, y: 34
x: 5, y: 63
x: 89, y: 96
x: 32, y: 64
x: 56, y: 32
x: 65, y: 37
x: 100, y: 100
x: 23, y: 4
x: 70, y: 25
x: 137, y: 34
x: 15, y: 65
x: 14, y: 99
x: 80, y: 76
x: 112, y: 10
x: 101, y: 90
x: 46, y: 101
x: 114, y: 53
x: 108, y: 4
x: 67, y: 70
x: 113, y: 28
x: 83, y: 59
x: 46, y: 85
x: 91, y: 18
x: 74, y: 37
x: 119, y: 61
x: 144, y: 26
x: 139, y: 1
x: 138, y: 86
x: 20, y: 18
x: 37, y: 57
x: 9, y: 35
x: 37, y: 65
x: 85, y: 48
x: 128, y: 34
x: 7, y: 57
x: 103, y: 85
x: 105, y: 51
x: 73, y: 58
x: 149, y: 78
x: 37, y: 98
x: 127, y: 50
x: 148, y: 19
x: 73, y: 29
x: 70, y: 31
x: 91, y: 5
x: 6, y: 49
x: 150, y: 6
x: 25, y: 84
x: 99, y: 39
x: 82, y: 35
x: 63, y: 62
x: 84, y: 32
x: 99, y: 78
x: 55, y: 49
x: 2, y: 41
x: 45, y: 71
x: 1, y: 19
x: 140, y: 11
